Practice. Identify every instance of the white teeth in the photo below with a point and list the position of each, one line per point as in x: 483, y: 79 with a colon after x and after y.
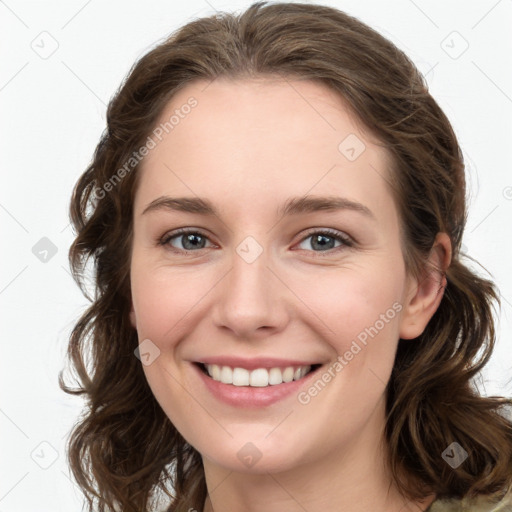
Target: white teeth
x: 260, y: 377
x: 288, y: 374
x: 226, y: 375
x: 275, y: 376
x: 240, y: 377
x: 215, y: 372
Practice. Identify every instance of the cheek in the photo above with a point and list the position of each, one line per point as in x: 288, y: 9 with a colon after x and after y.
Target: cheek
x: 162, y: 299
x: 349, y: 301
x: 360, y: 316
x: 358, y: 309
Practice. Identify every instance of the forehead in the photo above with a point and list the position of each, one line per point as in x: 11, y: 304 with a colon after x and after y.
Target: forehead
x: 257, y: 139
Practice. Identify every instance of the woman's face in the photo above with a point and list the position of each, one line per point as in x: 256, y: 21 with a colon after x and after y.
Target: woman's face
x: 261, y: 279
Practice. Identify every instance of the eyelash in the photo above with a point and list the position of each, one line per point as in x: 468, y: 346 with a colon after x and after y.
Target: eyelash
x: 346, y: 240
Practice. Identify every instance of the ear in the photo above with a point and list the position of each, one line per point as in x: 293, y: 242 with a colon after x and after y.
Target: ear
x: 424, y: 295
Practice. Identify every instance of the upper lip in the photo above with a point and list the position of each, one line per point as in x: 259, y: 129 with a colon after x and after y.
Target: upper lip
x: 254, y: 363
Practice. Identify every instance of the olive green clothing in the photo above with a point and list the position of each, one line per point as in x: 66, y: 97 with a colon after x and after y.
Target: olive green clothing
x: 481, y: 504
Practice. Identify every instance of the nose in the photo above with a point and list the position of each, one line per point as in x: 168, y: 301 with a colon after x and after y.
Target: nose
x: 251, y: 299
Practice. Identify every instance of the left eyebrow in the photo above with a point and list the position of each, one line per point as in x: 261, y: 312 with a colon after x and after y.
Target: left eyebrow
x: 311, y: 204
x: 293, y: 206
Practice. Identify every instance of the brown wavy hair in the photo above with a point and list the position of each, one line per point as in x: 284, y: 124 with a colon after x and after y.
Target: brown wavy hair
x: 124, y: 451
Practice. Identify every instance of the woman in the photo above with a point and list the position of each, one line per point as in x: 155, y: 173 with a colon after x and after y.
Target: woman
x: 282, y: 318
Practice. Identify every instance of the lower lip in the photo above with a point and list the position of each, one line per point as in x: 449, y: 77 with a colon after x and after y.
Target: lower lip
x: 248, y: 396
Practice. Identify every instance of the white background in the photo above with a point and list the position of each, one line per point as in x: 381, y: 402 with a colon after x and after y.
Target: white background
x: 53, y: 112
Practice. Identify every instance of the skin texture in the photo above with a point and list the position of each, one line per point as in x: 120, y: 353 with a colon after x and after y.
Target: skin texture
x: 248, y: 146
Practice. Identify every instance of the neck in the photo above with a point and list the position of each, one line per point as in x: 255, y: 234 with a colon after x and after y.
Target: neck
x: 354, y: 478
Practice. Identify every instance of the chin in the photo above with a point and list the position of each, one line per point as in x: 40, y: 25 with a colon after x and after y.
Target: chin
x: 275, y: 463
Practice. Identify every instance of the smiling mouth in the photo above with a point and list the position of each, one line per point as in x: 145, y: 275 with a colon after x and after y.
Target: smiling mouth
x: 260, y: 377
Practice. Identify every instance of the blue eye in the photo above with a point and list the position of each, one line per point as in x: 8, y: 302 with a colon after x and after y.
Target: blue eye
x: 325, y: 239
x: 191, y: 240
